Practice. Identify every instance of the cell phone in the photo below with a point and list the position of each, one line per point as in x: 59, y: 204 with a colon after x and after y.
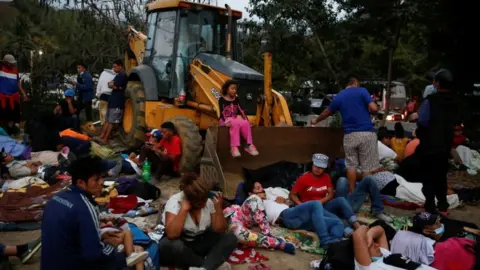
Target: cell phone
x: 212, y: 194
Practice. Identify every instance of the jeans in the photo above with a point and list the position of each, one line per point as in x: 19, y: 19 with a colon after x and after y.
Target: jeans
x: 340, y: 207
x: 208, y: 250
x: 356, y: 199
x: 311, y: 216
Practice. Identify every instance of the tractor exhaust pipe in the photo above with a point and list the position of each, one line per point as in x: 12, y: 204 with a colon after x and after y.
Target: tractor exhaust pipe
x: 228, y: 52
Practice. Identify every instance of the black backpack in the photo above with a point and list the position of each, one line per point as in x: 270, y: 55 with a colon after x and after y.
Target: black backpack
x: 145, y: 191
x: 339, y: 256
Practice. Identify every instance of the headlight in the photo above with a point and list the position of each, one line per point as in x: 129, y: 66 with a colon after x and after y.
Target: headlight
x: 389, y: 118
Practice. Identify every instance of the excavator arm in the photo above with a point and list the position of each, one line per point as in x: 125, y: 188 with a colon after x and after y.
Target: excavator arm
x: 136, y: 48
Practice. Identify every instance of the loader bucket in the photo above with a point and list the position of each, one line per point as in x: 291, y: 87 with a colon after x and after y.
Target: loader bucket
x: 275, y: 144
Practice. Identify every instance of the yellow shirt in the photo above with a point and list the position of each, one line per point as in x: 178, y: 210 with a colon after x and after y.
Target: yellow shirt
x: 398, y: 145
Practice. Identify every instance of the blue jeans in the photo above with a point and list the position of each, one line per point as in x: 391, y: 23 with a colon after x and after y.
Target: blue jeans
x: 363, y: 188
x: 311, y: 216
x: 341, y: 208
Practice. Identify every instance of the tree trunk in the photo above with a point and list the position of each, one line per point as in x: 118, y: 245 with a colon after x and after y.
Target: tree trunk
x: 327, y: 62
x: 391, y: 51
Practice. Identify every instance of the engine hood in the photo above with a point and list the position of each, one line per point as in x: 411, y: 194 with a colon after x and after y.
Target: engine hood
x: 231, y: 68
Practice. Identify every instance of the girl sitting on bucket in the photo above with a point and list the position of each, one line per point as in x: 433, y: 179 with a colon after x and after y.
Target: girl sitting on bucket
x: 232, y: 116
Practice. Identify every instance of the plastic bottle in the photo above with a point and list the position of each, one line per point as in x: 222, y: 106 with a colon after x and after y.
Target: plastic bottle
x: 146, y: 171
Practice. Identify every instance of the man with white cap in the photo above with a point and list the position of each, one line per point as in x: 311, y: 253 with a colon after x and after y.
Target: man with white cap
x: 10, y: 86
x: 316, y: 185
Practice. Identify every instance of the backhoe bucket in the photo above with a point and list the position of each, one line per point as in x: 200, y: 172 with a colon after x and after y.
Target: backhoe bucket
x: 275, y: 144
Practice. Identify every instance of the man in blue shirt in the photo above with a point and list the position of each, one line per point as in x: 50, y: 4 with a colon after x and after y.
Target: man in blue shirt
x: 437, y: 117
x: 84, y: 87
x: 70, y: 229
x: 360, y: 141
x: 116, y: 102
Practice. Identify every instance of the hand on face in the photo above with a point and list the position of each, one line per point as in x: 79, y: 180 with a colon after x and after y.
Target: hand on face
x: 185, y: 205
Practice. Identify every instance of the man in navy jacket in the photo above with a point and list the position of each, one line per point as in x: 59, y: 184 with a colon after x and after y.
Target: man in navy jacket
x: 84, y: 87
x: 70, y: 230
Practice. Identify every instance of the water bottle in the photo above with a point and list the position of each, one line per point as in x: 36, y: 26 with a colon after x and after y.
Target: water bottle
x: 146, y: 171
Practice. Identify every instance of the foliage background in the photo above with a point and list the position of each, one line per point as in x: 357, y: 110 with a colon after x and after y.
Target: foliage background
x: 313, y: 40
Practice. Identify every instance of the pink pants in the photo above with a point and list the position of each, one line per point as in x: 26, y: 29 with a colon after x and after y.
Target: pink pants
x: 239, y: 126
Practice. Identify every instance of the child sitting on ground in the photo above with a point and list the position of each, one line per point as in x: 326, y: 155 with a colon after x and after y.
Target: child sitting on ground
x: 232, y: 116
x: 113, y: 227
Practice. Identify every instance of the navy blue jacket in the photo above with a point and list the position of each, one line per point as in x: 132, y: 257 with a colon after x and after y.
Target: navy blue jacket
x: 71, y: 234
x: 85, y: 86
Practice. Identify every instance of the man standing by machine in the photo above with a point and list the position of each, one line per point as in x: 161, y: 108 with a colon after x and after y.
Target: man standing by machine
x: 84, y: 87
x: 10, y: 86
x: 360, y: 141
x: 116, y: 102
x: 437, y: 117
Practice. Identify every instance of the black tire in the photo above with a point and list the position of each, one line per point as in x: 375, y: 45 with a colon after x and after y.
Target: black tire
x: 191, y: 143
x: 134, y: 136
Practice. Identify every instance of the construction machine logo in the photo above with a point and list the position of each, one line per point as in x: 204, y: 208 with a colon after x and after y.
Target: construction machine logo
x: 215, y: 93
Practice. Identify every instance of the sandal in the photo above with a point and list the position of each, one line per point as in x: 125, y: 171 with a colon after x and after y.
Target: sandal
x: 260, y: 266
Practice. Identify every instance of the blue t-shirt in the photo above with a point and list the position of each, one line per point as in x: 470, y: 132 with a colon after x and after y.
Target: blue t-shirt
x: 353, y: 106
x: 117, y: 98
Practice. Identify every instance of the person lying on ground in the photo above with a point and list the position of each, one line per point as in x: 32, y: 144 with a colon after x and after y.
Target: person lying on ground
x: 165, y: 155
x: 107, y: 226
x: 195, y: 229
x: 233, y: 116
x: 385, y: 150
x: 366, y: 187
x: 18, y: 168
x: 24, y: 252
x: 371, y: 251
x: 70, y: 227
x: 252, y: 213
x: 441, y: 229
x: 317, y: 186
x: 310, y: 216
x: 66, y: 112
x: 116, y: 102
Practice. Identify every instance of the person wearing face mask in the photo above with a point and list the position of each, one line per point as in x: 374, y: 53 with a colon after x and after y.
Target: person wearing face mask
x: 372, y: 252
x: 441, y: 229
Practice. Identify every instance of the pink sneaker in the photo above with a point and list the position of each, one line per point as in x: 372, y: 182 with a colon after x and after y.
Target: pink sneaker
x: 235, y: 152
x: 252, y: 150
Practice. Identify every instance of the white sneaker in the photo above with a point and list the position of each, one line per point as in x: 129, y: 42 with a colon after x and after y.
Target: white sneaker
x: 196, y: 268
x: 384, y: 217
x: 225, y: 266
x: 136, y: 257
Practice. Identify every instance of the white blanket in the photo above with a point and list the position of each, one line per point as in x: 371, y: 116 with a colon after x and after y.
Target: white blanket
x: 470, y: 158
x: 412, y: 192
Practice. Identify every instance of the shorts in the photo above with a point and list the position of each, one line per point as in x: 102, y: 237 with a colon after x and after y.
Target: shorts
x: 361, y: 151
x: 114, y: 115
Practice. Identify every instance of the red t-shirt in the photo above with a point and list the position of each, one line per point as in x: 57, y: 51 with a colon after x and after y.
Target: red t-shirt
x: 312, y: 187
x: 174, y: 148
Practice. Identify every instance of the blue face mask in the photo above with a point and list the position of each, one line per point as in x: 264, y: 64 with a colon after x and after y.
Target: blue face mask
x: 374, y: 259
x: 440, y: 230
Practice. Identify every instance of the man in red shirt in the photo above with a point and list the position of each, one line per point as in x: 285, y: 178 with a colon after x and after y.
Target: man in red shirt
x: 166, y: 154
x: 317, y: 186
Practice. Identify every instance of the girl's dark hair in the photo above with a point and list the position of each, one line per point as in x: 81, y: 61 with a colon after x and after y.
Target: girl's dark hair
x: 226, y: 85
x: 248, y: 187
x: 399, y: 131
x: 195, y: 189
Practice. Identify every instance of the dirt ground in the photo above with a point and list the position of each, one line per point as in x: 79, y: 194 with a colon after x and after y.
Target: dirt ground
x: 277, y: 260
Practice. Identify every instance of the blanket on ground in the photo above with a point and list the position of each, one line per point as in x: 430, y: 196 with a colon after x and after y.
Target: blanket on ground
x: 27, y: 205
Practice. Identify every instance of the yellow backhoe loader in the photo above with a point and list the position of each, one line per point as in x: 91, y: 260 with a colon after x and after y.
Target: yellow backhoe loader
x: 176, y: 72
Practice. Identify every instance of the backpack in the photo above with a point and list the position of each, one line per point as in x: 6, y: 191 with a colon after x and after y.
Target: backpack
x: 339, y: 256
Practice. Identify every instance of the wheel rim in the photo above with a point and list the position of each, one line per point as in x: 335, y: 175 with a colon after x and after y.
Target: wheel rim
x: 128, y: 116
